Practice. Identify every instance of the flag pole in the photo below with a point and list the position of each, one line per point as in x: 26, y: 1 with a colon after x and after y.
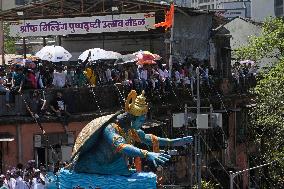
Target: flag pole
x: 171, y: 44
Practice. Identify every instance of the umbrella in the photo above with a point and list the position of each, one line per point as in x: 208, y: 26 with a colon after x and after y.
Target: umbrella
x: 247, y: 62
x: 53, y: 54
x: 99, y: 54
x: 146, y: 57
x: 24, y: 62
x: 124, y: 59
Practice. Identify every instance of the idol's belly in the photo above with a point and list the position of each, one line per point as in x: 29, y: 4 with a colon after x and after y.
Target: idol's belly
x: 102, y: 160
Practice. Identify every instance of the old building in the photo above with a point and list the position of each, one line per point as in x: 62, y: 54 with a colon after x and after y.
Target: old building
x: 193, y: 41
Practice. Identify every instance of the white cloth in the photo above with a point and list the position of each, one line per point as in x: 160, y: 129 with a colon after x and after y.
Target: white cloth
x: 59, y: 79
x: 126, y: 75
x: 11, y: 183
x: 177, y: 76
x: 37, y: 184
x: 144, y: 74
x: 39, y: 80
x: 108, y: 74
x: 162, y: 75
x: 166, y: 73
x: 2, y: 81
x: 20, y: 184
x: 186, y: 81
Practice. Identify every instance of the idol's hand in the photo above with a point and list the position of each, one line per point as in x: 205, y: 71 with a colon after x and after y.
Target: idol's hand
x: 182, y: 141
x: 158, y: 158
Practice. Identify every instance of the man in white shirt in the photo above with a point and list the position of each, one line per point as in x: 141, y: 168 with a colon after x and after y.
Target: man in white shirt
x: 20, y: 183
x: 38, y: 182
x: 108, y: 75
x: 59, y: 78
x: 177, y: 77
x: 10, y: 181
x: 144, y: 78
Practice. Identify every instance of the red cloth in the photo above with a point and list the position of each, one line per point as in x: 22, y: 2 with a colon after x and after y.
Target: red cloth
x: 168, y: 18
x: 32, y: 80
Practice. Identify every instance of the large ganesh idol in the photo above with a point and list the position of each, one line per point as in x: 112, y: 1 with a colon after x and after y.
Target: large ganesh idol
x: 102, y: 150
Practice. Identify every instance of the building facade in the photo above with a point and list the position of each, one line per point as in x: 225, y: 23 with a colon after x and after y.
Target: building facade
x: 261, y: 9
x: 279, y: 8
x: 210, y: 4
x: 257, y: 10
x: 9, y: 4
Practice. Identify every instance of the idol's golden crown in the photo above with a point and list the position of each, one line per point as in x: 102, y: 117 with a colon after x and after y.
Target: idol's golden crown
x: 138, y: 106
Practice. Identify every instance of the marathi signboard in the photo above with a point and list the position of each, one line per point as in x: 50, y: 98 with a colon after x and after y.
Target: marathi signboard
x: 83, y: 25
x: 231, y: 13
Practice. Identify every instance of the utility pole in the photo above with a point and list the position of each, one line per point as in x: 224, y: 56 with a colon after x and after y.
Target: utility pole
x: 197, y: 137
x: 2, y: 36
x: 171, y: 46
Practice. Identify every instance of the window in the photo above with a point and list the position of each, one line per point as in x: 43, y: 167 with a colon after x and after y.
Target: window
x: 279, y: 11
x: 278, y: 3
x: 20, y: 2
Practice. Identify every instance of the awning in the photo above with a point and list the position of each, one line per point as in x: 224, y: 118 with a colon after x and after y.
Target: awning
x: 6, y: 137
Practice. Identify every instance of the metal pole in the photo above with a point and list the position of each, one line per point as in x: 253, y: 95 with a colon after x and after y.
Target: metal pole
x: 171, y: 46
x: 2, y: 51
x: 189, y: 150
x: 231, y: 180
x: 198, y: 93
x: 197, y: 136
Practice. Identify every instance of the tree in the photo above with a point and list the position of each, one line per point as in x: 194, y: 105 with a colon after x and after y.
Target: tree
x: 9, y: 42
x: 269, y: 44
x: 267, y: 122
x: 267, y: 117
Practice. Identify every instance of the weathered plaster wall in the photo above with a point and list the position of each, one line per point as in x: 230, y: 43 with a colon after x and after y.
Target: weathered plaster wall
x: 191, y: 36
x: 10, y: 152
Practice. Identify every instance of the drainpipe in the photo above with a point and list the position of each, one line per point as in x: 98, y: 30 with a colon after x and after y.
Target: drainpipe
x: 19, y: 143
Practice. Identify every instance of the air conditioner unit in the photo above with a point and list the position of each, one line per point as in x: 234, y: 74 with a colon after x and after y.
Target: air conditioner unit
x: 202, y: 121
x: 178, y: 120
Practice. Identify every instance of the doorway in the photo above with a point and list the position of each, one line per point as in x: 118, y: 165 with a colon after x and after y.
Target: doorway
x: 40, y: 156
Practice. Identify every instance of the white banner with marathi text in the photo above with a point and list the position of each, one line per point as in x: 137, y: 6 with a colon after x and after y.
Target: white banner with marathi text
x: 83, y: 25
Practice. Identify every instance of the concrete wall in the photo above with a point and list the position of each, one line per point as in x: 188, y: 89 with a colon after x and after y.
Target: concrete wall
x: 191, y: 36
x: 8, y: 4
x: 241, y: 30
x: 121, y: 43
x: 261, y: 9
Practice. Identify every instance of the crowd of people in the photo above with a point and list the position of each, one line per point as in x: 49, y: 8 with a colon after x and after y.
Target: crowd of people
x: 16, y: 77
x: 154, y: 79
x: 29, y: 177
x: 244, y: 76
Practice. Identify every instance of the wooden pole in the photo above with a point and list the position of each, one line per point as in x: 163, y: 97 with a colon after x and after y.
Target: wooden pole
x: 25, y: 47
x: 2, y: 47
x: 171, y: 46
x: 44, y: 41
x: 59, y: 40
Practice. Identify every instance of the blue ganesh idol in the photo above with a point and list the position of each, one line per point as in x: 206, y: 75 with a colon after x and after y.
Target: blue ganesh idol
x: 102, y: 150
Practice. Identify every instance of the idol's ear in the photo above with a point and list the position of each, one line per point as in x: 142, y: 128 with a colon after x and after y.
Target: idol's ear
x: 130, y: 98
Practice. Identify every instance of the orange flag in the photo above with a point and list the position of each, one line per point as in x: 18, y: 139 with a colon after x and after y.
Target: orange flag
x: 168, y: 18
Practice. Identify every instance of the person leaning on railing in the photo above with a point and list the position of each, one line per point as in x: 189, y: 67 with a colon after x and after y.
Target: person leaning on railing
x: 3, y: 88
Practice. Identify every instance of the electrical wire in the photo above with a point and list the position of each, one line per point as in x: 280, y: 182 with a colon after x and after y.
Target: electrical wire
x: 220, y: 127
x: 217, y: 159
